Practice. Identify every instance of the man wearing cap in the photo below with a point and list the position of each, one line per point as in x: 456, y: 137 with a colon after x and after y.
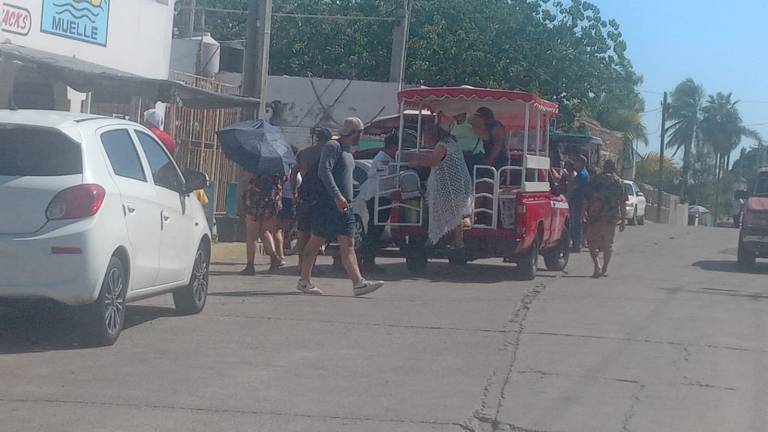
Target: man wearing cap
x: 605, y: 207
x: 333, y: 218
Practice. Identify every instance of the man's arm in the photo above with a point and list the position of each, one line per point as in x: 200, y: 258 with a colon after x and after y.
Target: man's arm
x: 328, y: 159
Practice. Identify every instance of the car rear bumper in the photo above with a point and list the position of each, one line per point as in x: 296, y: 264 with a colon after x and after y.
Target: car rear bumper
x: 30, y: 268
x: 755, y: 240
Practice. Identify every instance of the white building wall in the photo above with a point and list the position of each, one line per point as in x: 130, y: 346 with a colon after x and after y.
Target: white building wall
x: 297, y: 104
x: 138, y: 34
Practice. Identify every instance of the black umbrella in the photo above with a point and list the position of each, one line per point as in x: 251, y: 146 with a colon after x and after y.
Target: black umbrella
x: 258, y: 147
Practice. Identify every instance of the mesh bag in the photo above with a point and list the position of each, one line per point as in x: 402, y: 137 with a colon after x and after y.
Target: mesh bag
x: 449, y: 192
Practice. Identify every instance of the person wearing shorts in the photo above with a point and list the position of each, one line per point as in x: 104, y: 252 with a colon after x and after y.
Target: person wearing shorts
x: 605, y: 207
x: 285, y: 216
x: 333, y: 218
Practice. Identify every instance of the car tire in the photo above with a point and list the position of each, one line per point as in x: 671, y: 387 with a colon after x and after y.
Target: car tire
x: 416, y: 259
x: 633, y: 220
x: 528, y: 264
x: 745, y: 258
x: 557, y: 259
x: 191, y: 299
x: 104, y: 319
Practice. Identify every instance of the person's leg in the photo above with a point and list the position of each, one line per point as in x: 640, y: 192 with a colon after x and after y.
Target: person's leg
x: 610, y: 233
x: 309, y: 255
x: 576, y: 226
x: 277, y: 234
x: 593, y: 244
x: 251, y: 235
x: 268, y: 241
x: 349, y: 259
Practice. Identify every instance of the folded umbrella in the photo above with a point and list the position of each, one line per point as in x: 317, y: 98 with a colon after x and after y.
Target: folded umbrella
x: 258, y: 147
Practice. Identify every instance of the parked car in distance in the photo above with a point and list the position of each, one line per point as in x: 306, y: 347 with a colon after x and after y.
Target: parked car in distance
x: 96, y: 214
x: 636, y: 203
x: 753, y: 236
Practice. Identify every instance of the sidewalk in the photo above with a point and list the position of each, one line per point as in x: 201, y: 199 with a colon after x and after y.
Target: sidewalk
x: 230, y: 253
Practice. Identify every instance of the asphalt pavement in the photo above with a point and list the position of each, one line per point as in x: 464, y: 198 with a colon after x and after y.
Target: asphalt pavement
x: 674, y: 339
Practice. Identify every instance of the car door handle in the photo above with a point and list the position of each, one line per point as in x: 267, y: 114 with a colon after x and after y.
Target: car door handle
x: 166, y: 218
x: 130, y: 208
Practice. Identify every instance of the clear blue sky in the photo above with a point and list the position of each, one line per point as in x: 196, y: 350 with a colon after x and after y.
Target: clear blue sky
x: 720, y: 44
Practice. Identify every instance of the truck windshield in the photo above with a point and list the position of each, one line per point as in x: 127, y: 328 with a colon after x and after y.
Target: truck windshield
x: 26, y: 151
x: 761, y: 186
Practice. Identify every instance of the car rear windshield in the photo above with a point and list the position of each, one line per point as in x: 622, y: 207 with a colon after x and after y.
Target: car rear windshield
x: 27, y: 151
x: 761, y: 185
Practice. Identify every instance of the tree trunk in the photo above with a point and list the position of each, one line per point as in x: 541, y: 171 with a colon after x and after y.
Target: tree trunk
x: 686, y: 168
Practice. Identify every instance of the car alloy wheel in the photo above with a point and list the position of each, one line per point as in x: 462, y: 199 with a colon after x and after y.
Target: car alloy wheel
x: 114, y: 300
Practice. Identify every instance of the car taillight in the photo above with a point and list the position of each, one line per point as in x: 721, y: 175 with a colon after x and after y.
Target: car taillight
x: 76, y: 202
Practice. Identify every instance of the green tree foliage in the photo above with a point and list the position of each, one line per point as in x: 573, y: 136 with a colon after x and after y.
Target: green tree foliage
x: 648, y: 171
x: 562, y: 50
x: 685, y: 114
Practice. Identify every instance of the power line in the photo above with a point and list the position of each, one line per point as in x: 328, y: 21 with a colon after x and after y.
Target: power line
x: 651, y: 92
x: 291, y: 15
x: 339, y: 17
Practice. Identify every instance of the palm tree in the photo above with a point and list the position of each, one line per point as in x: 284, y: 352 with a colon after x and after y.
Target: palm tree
x: 721, y: 128
x: 685, y: 113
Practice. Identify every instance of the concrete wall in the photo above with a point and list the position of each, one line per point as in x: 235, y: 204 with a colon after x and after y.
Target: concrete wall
x: 137, y: 34
x: 673, y: 212
x: 297, y: 104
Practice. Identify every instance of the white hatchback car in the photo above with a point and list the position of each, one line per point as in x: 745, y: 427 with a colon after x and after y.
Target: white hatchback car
x: 95, y: 214
x: 636, y: 203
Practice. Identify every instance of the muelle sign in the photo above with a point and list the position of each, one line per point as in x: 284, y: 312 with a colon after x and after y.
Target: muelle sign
x: 82, y: 20
x: 15, y: 19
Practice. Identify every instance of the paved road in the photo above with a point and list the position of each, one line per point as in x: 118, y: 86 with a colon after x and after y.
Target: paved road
x: 673, y: 340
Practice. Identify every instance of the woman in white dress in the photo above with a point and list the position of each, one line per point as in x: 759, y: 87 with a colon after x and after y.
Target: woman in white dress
x: 449, y: 188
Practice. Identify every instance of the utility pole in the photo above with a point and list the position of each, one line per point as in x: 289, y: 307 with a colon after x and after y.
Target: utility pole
x: 187, y: 19
x: 661, y: 157
x: 400, y: 45
x: 256, y: 55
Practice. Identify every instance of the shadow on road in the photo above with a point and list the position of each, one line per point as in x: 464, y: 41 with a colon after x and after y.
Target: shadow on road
x: 730, y: 266
x: 51, y: 327
x: 257, y: 293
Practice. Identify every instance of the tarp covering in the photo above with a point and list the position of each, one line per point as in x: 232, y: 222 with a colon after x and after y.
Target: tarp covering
x: 87, y: 77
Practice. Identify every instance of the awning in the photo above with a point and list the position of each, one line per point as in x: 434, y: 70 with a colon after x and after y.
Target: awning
x: 87, y: 77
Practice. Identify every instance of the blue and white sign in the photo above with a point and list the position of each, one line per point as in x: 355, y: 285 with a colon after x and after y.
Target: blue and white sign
x: 82, y: 20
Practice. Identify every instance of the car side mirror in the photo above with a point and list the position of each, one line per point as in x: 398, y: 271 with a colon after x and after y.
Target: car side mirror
x: 194, y: 180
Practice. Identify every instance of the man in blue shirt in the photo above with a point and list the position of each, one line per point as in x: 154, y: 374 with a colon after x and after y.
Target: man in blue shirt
x: 576, y: 201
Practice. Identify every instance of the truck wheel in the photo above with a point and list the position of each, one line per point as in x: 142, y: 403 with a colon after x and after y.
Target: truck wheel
x: 557, y: 259
x: 104, y: 319
x: 528, y: 264
x: 745, y: 258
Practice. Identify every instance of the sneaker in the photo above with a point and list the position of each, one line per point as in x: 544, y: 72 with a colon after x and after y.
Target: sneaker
x: 367, y: 287
x: 307, y: 287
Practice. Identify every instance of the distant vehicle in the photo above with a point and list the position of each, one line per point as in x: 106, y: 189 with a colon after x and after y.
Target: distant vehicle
x: 636, y: 203
x: 753, y: 236
x: 95, y: 214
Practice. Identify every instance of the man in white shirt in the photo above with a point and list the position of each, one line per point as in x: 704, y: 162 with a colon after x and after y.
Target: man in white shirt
x: 371, y: 242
